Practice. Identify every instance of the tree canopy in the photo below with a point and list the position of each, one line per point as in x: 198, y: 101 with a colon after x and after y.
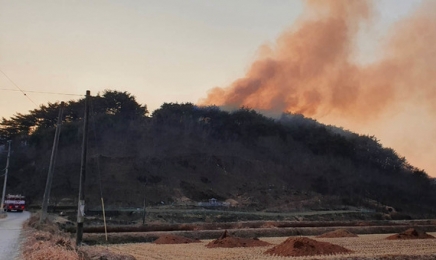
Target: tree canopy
x: 205, y: 151
x: 118, y: 105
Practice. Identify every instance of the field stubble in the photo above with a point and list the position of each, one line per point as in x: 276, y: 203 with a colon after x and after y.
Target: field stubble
x: 374, y: 246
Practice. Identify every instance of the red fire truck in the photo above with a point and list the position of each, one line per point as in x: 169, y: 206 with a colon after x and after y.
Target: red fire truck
x: 15, y: 203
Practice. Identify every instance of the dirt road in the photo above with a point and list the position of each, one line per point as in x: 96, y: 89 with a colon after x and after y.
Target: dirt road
x: 10, y: 230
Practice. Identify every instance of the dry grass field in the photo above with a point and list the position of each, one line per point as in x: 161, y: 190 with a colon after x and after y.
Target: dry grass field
x: 365, y: 247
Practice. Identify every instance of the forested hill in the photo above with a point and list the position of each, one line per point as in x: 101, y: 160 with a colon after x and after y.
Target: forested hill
x: 185, y: 153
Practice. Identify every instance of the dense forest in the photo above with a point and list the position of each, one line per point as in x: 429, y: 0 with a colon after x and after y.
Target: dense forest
x: 186, y: 153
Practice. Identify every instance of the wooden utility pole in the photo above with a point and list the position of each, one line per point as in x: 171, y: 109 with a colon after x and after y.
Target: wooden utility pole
x: 143, y: 209
x: 54, y: 150
x: 6, y: 175
x: 81, y: 203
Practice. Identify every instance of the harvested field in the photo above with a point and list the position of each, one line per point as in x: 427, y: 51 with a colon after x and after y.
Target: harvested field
x: 381, y: 225
x: 363, y: 247
x: 148, y: 233
x: 337, y: 233
x: 143, y: 237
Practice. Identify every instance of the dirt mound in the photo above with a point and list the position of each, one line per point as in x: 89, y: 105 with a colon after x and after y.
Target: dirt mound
x: 173, y: 239
x: 411, y: 233
x: 337, y: 233
x: 229, y: 242
x: 92, y: 253
x: 269, y: 224
x: 303, y: 246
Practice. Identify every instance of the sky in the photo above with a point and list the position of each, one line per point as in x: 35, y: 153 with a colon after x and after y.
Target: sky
x: 176, y: 51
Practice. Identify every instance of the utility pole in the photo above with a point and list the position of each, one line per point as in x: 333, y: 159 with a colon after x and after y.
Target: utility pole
x: 46, y: 198
x: 143, y: 208
x: 6, y: 175
x: 81, y: 202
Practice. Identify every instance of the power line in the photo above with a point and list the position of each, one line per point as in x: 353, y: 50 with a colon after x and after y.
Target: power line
x: 18, y: 87
x: 43, y: 92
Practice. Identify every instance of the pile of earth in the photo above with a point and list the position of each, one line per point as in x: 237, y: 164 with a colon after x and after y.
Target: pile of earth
x: 337, y: 233
x: 229, y: 242
x: 174, y: 239
x: 411, y: 233
x: 303, y: 246
x: 93, y: 253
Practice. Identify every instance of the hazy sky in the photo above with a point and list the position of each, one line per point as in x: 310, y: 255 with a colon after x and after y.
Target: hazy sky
x: 159, y: 51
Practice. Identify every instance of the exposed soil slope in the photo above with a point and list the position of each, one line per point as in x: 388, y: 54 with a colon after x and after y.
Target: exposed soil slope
x: 337, y: 233
x: 229, y: 242
x: 411, y: 233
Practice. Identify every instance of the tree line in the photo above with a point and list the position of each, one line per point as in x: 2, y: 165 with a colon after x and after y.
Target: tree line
x: 221, y: 153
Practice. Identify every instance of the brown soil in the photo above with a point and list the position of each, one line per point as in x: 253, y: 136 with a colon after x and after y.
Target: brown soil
x: 411, y: 233
x: 229, y: 242
x: 173, y: 239
x: 337, y: 233
x: 268, y: 224
x: 303, y: 246
x: 92, y: 253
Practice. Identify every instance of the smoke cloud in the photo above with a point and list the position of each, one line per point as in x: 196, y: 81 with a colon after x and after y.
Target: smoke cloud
x: 311, y: 69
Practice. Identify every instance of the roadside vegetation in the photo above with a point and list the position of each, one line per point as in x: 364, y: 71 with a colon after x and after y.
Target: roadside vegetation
x: 46, y: 241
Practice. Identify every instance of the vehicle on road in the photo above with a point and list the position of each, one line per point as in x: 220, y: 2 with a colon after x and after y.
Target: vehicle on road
x: 14, y: 203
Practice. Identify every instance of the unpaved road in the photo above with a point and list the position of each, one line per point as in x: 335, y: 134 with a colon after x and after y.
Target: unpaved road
x: 10, y: 230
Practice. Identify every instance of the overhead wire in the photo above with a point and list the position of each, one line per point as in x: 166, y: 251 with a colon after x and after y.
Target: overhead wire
x: 42, y: 92
x: 18, y: 87
x: 32, y: 91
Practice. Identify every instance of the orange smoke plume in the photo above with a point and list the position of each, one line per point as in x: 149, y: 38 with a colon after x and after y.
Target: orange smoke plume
x: 311, y: 69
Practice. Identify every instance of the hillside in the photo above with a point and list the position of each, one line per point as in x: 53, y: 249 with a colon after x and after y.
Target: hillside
x: 187, y: 154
